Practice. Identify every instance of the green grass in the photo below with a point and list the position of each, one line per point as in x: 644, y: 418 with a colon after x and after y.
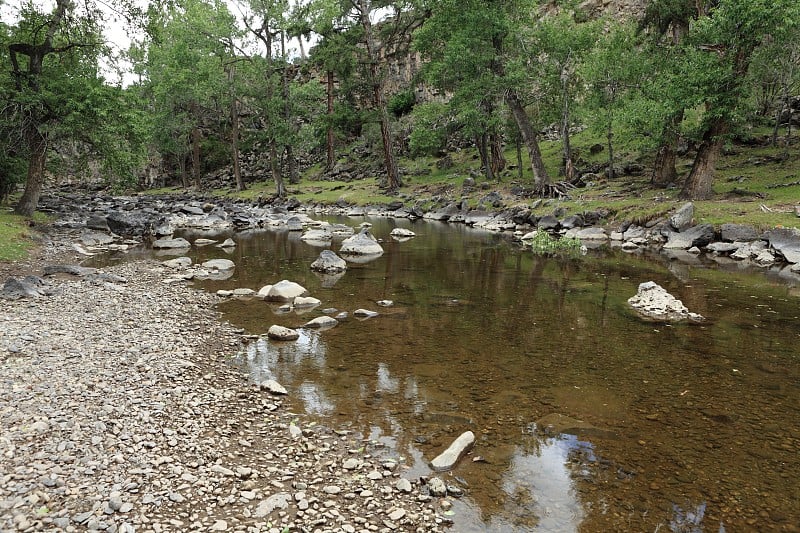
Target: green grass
x: 15, y: 240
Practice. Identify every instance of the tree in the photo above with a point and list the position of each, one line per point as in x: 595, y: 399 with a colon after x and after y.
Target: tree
x: 53, y: 60
x: 722, y: 47
x: 473, y: 52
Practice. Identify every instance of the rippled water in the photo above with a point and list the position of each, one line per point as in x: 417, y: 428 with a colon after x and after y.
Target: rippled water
x: 587, y: 418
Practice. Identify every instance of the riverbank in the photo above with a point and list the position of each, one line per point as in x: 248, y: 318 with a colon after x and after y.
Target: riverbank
x: 120, y: 412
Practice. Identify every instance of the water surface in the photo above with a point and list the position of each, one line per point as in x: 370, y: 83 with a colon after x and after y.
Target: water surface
x: 587, y: 417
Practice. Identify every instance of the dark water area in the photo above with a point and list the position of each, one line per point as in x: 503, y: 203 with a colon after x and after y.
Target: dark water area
x: 587, y: 417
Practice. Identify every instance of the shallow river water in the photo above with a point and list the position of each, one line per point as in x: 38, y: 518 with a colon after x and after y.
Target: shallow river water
x: 587, y: 417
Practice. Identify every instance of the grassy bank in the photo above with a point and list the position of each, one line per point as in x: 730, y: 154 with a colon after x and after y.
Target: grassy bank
x: 15, y: 236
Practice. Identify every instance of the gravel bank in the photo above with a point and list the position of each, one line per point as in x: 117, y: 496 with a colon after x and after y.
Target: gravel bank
x: 118, y: 412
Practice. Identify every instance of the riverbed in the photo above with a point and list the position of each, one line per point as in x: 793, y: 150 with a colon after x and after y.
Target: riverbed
x: 587, y: 417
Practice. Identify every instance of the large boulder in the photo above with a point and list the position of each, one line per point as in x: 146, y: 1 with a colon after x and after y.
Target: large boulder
x: 362, y: 243
x: 786, y: 241
x: 738, y: 233
x: 285, y: 291
x: 168, y: 244
x: 280, y: 333
x: 699, y: 236
x: 27, y: 287
x: 654, y: 302
x: 328, y: 262
x: 130, y: 223
x: 682, y: 218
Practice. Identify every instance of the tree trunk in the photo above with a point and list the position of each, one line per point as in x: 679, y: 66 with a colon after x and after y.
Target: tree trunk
x: 37, y: 145
x: 498, y: 159
x: 698, y: 185
x: 610, y: 138
x: 276, y: 172
x: 196, y: 135
x: 483, y: 152
x: 237, y: 169
x: 182, y: 170
x: 566, y: 146
x: 294, y: 176
x: 530, y: 138
x: 664, y: 172
x: 519, y: 156
x: 329, y: 145
x: 393, y: 181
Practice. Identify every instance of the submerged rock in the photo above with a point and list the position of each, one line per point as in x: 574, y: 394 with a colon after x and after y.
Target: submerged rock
x: 654, y: 302
x: 448, y: 459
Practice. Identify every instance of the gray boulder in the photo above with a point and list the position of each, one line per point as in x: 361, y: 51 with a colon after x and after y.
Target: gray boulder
x: 738, y: 233
x: 548, y: 222
x: 180, y: 242
x: 328, y: 262
x: 322, y: 322
x: 27, y: 287
x: 682, y: 218
x: 786, y: 241
x: 654, y: 302
x: 219, y: 264
x: 362, y: 243
x: 72, y: 270
x: 402, y: 232
x: 699, y: 236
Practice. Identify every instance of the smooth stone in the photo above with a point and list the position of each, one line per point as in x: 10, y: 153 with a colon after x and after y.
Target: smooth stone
x: 448, y: 459
x: 365, y: 313
x: 243, y: 292
x: 403, y: 485
x: 682, y: 218
x: 306, y: 301
x: 654, y: 302
x: 280, y: 333
x: 385, y: 303
x: 329, y: 262
x: 227, y: 243
x: 274, y: 387
x: 322, y: 322
x: 204, y: 242
x: 437, y: 487
x: 402, y: 232
x: 180, y: 242
x: 285, y: 291
x: 178, y: 263
x: 219, y: 264
x: 362, y: 243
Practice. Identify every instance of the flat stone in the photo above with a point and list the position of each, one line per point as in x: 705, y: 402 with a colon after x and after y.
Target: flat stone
x: 163, y: 244
x: 786, y: 241
x: 322, y: 322
x: 365, y: 313
x: 219, y: 264
x: 306, y: 302
x: 699, y: 236
x: 402, y: 232
x: 738, y: 233
x: 276, y: 501
x: 448, y: 459
x: 178, y: 263
x: 274, y: 387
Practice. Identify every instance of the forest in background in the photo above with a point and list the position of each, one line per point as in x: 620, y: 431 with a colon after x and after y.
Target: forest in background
x: 215, y: 86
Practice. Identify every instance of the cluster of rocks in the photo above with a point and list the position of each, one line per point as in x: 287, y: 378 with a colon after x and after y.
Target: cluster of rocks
x: 141, y: 428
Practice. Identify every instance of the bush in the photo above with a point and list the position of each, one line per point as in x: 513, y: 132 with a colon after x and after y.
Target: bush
x: 429, y: 133
x: 545, y: 244
x: 402, y: 103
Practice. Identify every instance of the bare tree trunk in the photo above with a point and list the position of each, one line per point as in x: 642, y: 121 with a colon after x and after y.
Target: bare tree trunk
x: 498, y: 159
x: 569, y: 167
x: 182, y: 170
x: 237, y: 169
x: 329, y: 148
x: 294, y: 176
x: 518, y: 144
x: 276, y: 172
x: 393, y: 181
x: 530, y: 138
x: 483, y: 152
x: 698, y: 185
x: 196, y: 135
x: 37, y: 145
x: 664, y: 171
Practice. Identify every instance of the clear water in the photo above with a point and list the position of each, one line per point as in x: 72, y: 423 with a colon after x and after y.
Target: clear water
x: 654, y: 427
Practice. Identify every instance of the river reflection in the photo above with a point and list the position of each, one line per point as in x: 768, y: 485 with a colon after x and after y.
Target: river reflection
x: 637, y: 426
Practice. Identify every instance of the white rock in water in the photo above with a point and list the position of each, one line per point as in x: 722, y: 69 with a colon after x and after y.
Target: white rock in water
x: 365, y: 313
x: 385, y: 303
x: 274, y: 387
x: 219, y: 264
x: 243, y: 292
x: 329, y: 262
x: 322, y: 322
x: 227, y: 243
x: 204, y: 242
x: 262, y: 293
x: 402, y: 232
x: 653, y: 301
x: 362, y: 243
x: 306, y: 301
x: 280, y: 333
x: 448, y: 459
x: 285, y: 291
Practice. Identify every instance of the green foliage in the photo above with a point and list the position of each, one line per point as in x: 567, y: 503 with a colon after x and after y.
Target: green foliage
x: 429, y: 135
x: 402, y: 103
x: 545, y: 244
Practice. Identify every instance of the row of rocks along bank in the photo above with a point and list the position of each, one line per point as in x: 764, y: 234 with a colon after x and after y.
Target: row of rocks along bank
x: 119, y: 412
